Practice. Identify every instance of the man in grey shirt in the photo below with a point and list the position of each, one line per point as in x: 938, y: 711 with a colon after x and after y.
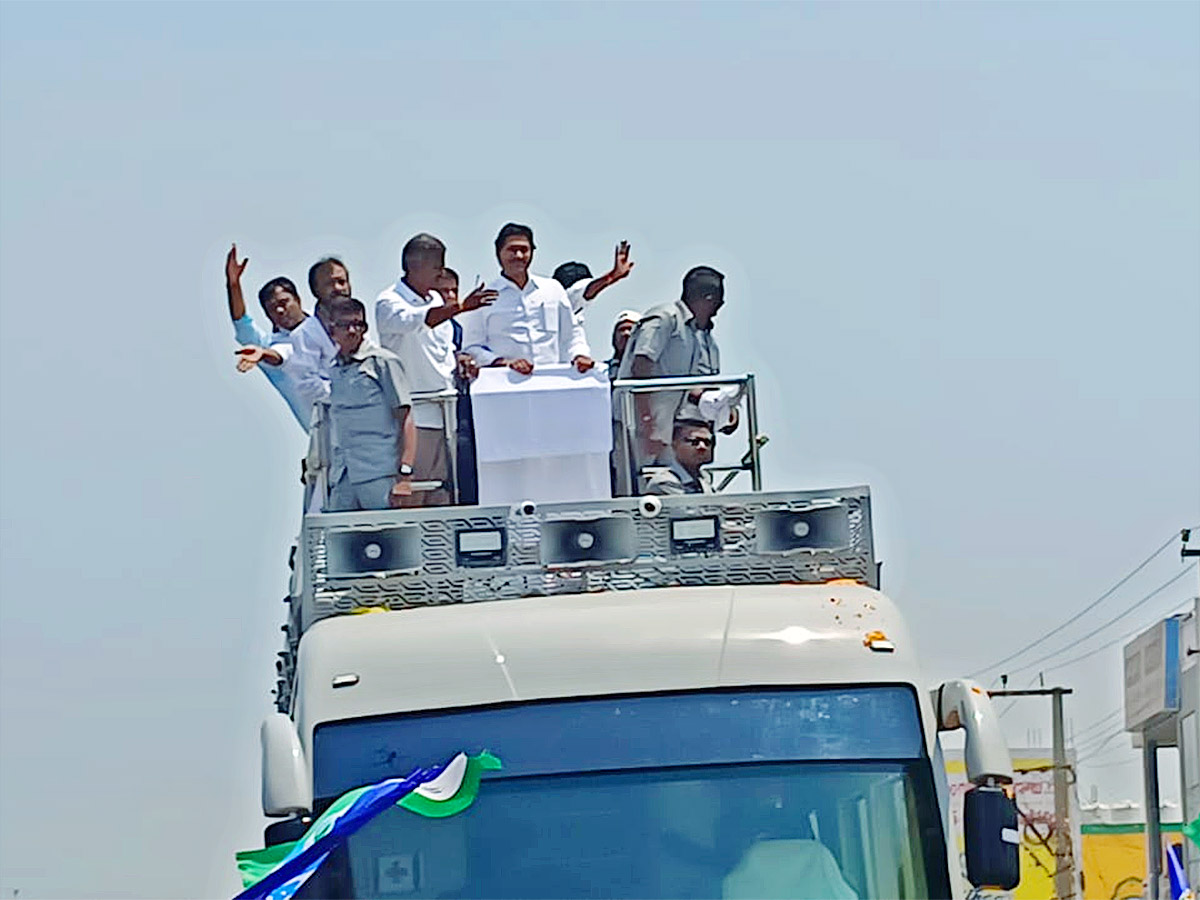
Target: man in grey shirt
x: 374, y: 434
x: 673, y: 340
x: 692, y: 446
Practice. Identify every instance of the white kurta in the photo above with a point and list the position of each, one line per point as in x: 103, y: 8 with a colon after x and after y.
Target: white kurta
x: 427, y: 354
x: 534, y: 323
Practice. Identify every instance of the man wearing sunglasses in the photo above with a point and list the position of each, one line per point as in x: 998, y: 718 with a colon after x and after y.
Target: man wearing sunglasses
x: 692, y: 445
x: 375, y: 435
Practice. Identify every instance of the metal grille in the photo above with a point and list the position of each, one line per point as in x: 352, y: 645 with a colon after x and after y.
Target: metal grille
x: 440, y: 580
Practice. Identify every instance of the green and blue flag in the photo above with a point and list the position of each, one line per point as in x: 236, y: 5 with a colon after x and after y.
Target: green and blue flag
x: 277, y: 872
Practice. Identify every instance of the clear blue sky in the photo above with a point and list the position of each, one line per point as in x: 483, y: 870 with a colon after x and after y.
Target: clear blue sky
x: 961, y: 243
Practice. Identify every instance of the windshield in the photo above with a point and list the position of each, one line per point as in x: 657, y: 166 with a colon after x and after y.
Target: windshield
x: 741, y: 794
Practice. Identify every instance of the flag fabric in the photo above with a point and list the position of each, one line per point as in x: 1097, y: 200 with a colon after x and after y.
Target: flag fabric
x: 1177, y: 875
x: 447, y: 789
x: 255, y: 865
x: 1192, y: 830
x: 454, y: 790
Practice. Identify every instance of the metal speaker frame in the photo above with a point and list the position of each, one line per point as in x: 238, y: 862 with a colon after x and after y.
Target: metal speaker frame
x: 819, y: 528
x: 575, y: 542
x: 352, y: 553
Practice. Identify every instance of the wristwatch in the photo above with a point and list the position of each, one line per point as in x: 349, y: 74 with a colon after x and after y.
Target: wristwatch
x: 405, y: 470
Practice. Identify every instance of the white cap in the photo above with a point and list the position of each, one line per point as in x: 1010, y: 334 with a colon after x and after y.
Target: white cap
x: 627, y: 315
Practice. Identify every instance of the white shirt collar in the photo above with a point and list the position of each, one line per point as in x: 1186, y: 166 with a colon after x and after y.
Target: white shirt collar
x: 503, y: 282
x: 402, y: 288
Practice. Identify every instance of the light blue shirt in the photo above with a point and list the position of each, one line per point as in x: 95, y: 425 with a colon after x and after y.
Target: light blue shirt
x: 307, y: 364
x: 247, y: 332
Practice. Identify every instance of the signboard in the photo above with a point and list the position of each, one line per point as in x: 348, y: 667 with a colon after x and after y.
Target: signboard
x: 1152, y: 675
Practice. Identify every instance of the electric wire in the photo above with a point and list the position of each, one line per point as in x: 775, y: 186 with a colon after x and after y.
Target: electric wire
x: 1174, y: 537
x: 1010, y: 706
x: 1154, y: 593
x: 1095, y: 751
x: 1078, y: 737
x: 1116, y: 765
x: 1088, y: 748
x: 1106, y: 645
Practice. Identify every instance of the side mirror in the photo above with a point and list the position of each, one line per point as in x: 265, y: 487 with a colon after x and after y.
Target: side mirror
x: 992, y: 839
x: 285, y: 785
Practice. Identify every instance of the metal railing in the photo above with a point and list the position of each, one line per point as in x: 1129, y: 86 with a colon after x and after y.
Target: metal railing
x: 628, y: 453
x: 626, y: 450
x: 320, y: 455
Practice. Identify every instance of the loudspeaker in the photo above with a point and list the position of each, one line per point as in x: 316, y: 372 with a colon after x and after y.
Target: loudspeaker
x: 609, y: 539
x: 821, y: 528
x: 350, y: 553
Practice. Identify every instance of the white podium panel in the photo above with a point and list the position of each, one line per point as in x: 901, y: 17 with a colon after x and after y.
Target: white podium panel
x: 543, y: 437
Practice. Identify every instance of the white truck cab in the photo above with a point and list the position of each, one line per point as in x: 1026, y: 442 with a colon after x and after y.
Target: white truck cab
x: 691, y: 696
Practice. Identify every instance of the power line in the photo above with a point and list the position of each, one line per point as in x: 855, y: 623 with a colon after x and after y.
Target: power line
x: 1105, y: 646
x: 1088, y: 749
x: 1168, y: 542
x: 1077, y: 737
x: 1154, y: 593
x: 1004, y: 712
x: 1095, y: 751
x: 1085, y: 747
x: 1113, y: 764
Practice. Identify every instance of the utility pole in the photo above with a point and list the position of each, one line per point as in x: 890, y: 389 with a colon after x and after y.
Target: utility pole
x: 1064, y: 857
x: 1064, y: 851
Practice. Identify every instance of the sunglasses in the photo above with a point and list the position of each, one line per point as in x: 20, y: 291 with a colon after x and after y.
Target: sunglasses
x: 360, y: 327
x: 698, y: 441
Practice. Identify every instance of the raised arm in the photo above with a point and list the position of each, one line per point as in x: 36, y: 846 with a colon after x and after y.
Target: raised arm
x: 245, y: 329
x: 233, y: 283
x: 622, y: 266
x: 478, y: 298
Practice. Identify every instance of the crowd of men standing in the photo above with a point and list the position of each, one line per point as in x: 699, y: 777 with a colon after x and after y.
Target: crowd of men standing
x: 433, y: 341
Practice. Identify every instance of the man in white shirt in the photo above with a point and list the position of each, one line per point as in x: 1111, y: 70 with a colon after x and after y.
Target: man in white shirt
x: 312, y: 352
x: 576, y: 278
x: 531, y: 322
x: 414, y: 322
